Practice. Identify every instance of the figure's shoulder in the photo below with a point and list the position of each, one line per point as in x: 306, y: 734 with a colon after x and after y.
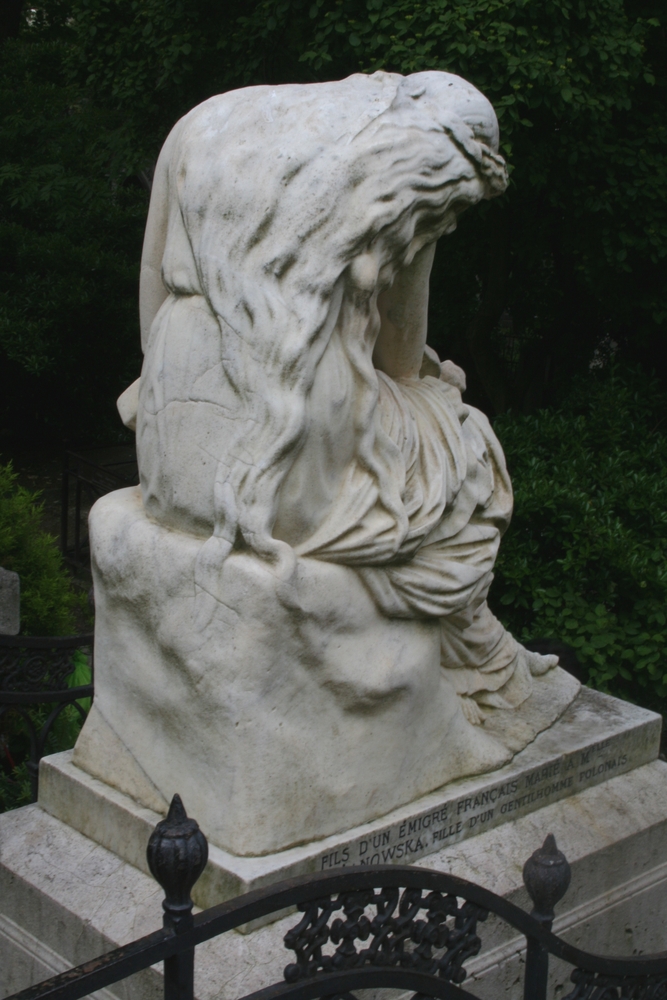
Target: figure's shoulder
x: 216, y: 111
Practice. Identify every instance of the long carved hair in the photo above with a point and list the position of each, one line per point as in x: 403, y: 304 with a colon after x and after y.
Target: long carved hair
x: 288, y: 209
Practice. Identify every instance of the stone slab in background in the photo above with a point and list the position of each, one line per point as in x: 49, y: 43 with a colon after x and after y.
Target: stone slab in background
x: 596, y: 738
x: 65, y: 899
x: 10, y: 602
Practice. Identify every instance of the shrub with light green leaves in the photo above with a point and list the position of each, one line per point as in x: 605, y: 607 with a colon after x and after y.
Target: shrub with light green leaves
x: 48, y: 604
x: 585, y: 559
x: 48, y: 598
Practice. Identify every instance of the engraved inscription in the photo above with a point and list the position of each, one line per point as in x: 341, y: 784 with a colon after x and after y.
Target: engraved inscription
x: 466, y: 815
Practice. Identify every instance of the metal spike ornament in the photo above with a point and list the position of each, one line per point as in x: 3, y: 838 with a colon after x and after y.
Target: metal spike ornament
x: 177, y: 853
x: 546, y: 876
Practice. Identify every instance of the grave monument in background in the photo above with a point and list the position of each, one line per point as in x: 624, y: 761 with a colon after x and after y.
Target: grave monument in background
x: 292, y: 628
x: 291, y: 614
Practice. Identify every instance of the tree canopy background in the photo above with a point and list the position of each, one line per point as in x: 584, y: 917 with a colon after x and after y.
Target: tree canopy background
x: 554, y: 295
x: 548, y: 297
x: 568, y: 266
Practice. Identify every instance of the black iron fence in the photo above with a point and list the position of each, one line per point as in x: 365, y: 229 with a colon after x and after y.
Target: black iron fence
x: 387, y: 927
x: 36, y: 672
x: 87, y: 476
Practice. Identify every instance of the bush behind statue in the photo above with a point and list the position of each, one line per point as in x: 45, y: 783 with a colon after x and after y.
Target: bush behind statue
x: 584, y: 560
x: 49, y: 606
x: 48, y: 598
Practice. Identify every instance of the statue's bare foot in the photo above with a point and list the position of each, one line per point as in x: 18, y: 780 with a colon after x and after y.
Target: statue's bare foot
x: 538, y: 664
x: 471, y: 710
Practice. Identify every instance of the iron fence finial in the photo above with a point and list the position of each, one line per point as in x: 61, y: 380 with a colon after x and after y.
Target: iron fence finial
x: 546, y: 876
x: 177, y: 853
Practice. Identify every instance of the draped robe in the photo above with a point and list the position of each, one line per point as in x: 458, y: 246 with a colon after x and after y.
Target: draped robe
x: 275, y: 412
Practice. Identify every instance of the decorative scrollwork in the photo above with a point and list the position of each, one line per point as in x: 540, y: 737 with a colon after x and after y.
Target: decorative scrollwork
x: 438, y: 941
x: 29, y: 668
x: 594, y: 986
x: 34, y: 671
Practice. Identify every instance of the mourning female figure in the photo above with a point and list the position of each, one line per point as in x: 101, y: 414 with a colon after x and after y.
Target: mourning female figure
x: 305, y: 569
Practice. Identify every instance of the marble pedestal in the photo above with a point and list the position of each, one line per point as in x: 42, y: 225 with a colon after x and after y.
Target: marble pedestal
x: 596, y: 738
x: 290, y: 711
x: 65, y: 896
x: 65, y: 899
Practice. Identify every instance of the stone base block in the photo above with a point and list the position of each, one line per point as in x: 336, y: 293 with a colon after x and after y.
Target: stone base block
x: 596, y: 738
x: 290, y: 710
x: 65, y: 899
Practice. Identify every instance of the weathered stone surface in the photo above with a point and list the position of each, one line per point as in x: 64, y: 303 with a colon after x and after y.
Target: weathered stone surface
x: 279, y: 736
x: 10, y: 602
x: 59, y: 889
x: 596, y: 738
x: 291, y: 612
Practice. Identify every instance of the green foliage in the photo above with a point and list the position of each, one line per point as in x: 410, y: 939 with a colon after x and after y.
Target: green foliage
x: 70, y: 239
x: 580, y: 92
x: 80, y: 677
x: 585, y: 559
x: 577, y: 250
x: 15, y: 789
x: 138, y: 53
x: 575, y: 254
x: 48, y: 605
x: 48, y: 598
x: 15, y: 786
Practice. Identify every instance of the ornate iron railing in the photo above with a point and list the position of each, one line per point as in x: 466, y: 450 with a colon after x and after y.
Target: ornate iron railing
x: 92, y: 473
x: 385, y: 927
x: 34, y: 671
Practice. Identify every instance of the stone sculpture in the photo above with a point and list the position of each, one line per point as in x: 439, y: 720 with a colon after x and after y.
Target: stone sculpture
x: 292, y: 618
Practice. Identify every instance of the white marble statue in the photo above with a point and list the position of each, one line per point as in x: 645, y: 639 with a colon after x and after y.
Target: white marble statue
x: 292, y: 618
